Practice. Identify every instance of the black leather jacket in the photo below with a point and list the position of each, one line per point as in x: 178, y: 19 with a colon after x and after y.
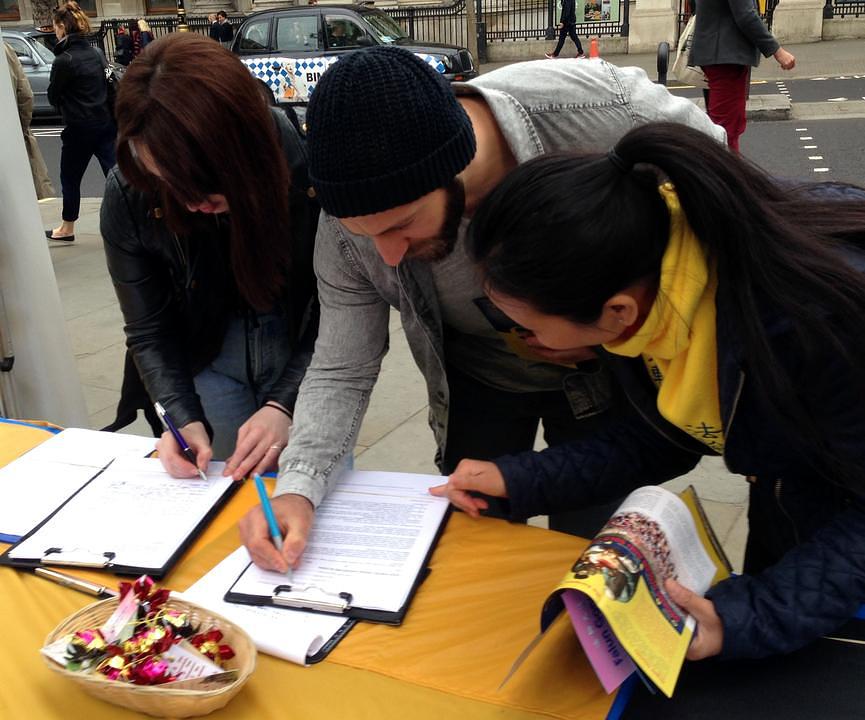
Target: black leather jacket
x: 176, y: 293
x: 78, y: 86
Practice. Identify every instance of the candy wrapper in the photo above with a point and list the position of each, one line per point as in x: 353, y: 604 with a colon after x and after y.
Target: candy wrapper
x: 144, y: 642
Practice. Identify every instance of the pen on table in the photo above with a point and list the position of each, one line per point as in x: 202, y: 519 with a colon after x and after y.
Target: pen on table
x: 75, y: 583
x: 169, y: 425
x: 272, y: 525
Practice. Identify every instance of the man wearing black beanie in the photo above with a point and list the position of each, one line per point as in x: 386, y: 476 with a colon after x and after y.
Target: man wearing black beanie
x: 400, y: 160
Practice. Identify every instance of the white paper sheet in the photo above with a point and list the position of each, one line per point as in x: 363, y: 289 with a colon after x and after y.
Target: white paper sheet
x: 37, y: 483
x: 288, y: 634
x: 370, y: 538
x: 134, y: 509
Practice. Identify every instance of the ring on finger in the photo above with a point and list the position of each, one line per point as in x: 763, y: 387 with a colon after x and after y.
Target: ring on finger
x: 276, y: 447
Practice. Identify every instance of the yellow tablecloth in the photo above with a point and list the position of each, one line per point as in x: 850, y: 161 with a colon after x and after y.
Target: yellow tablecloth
x: 468, y: 622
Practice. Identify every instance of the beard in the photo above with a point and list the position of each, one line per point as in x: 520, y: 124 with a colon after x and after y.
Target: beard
x: 439, y: 247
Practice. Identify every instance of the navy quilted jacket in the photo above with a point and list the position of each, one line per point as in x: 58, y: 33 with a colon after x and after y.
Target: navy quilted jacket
x: 805, y: 561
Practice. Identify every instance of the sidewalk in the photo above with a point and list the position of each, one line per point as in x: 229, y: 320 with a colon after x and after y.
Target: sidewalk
x: 830, y: 58
x: 394, y: 434
x: 827, y: 58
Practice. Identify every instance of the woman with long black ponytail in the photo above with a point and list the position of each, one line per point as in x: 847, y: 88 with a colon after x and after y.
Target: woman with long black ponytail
x: 731, y: 310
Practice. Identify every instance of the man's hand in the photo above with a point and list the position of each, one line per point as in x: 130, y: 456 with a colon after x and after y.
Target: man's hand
x: 174, y: 461
x: 785, y: 59
x: 294, y: 514
x: 259, y: 441
x: 472, y: 475
x: 709, y: 636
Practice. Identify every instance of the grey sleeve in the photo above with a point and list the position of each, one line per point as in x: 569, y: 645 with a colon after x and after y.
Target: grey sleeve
x: 651, y: 102
x: 748, y: 20
x: 352, y: 340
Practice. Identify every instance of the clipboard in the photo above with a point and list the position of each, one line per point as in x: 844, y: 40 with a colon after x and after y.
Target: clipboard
x: 368, y: 553
x: 325, y: 649
x: 104, y: 556
x: 329, y: 603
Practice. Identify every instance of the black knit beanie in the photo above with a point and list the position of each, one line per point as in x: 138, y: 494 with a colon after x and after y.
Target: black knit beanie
x: 384, y: 129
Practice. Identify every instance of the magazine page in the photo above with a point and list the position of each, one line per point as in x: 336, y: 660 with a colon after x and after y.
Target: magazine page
x: 651, y: 537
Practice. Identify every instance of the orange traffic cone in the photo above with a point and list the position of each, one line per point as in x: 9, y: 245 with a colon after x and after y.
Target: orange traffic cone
x: 594, y: 51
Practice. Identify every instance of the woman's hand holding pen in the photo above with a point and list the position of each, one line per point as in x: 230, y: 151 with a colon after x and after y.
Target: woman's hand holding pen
x: 172, y: 457
x: 259, y: 442
x: 294, y: 515
x: 472, y: 476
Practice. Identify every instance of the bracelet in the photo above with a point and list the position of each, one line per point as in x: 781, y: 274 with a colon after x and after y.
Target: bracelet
x: 275, y: 406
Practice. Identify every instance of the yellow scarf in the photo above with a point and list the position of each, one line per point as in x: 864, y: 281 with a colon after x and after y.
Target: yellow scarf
x: 677, y: 340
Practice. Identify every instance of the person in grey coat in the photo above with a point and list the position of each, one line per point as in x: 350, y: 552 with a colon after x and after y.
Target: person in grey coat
x: 728, y: 40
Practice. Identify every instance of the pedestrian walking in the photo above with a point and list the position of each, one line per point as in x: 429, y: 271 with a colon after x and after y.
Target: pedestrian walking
x: 123, y: 47
x: 78, y: 87
x: 223, y: 32
x: 729, y: 308
x: 729, y: 38
x: 567, y: 28
x: 24, y: 101
x: 140, y: 38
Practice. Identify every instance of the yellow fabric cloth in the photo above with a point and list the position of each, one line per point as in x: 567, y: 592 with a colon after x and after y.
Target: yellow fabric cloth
x: 678, y: 339
x: 479, y: 607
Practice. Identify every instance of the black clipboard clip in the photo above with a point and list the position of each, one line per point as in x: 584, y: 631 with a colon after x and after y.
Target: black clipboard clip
x: 311, y: 597
x: 78, y: 557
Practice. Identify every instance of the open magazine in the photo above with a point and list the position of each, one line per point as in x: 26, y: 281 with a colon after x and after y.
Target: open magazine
x: 615, y: 595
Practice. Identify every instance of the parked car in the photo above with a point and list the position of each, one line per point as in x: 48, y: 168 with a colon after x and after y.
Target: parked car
x: 36, y: 58
x: 289, y: 49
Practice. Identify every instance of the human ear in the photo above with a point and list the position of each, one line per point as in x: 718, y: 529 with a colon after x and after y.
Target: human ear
x: 622, y: 310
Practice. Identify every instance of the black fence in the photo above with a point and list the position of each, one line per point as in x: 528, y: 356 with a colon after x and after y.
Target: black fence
x: 444, y: 23
x: 497, y: 21
x: 538, y: 19
x: 106, y: 36
x: 843, y: 8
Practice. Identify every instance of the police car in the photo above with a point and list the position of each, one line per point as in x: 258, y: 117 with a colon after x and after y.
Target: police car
x: 289, y: 49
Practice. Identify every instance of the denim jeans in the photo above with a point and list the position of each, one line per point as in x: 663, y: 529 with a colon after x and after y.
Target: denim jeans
x: 259, y: 344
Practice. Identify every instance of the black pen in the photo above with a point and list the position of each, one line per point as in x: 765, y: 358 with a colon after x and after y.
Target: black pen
x: 169, y: 425
x: 75, y: 583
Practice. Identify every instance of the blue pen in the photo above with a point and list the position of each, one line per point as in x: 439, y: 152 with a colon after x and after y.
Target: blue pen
x: 268, y: 511
x: 169, y: 425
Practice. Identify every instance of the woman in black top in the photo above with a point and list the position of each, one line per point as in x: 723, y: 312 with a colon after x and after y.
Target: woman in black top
x: 79, y: 88
x: 208, y: 226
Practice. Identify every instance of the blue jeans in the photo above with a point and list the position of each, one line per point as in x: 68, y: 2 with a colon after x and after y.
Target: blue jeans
x: 223, y: 386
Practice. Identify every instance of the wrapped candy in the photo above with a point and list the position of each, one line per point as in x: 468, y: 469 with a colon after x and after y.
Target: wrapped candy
x: 141, y: 653
x: 208, y: 644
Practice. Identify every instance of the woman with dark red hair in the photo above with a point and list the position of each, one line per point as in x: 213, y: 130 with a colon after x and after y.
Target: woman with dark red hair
x: 208, y: 227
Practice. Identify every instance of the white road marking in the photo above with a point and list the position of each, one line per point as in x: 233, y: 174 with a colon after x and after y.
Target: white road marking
x: 815, y: 157
x: 821, y: 169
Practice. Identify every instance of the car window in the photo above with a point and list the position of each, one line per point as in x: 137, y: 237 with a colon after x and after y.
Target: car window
x: 254, y: 35
x: 297, y: 33
x: 43, y: 52
x: 19, y: 46
x: 342, y: 31
x: 387, y: 29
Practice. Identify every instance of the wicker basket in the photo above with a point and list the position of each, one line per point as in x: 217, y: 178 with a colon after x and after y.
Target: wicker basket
x: 159, y: 700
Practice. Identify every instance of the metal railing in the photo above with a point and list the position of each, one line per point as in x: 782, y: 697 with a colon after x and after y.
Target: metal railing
x: 497, y: 21
x: 438, y: 23
x: 538, y: 19
x: 843, y: 8
x: 106, y: 36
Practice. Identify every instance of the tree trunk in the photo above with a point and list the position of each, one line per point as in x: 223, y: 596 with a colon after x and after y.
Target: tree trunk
x: 42, y: 12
